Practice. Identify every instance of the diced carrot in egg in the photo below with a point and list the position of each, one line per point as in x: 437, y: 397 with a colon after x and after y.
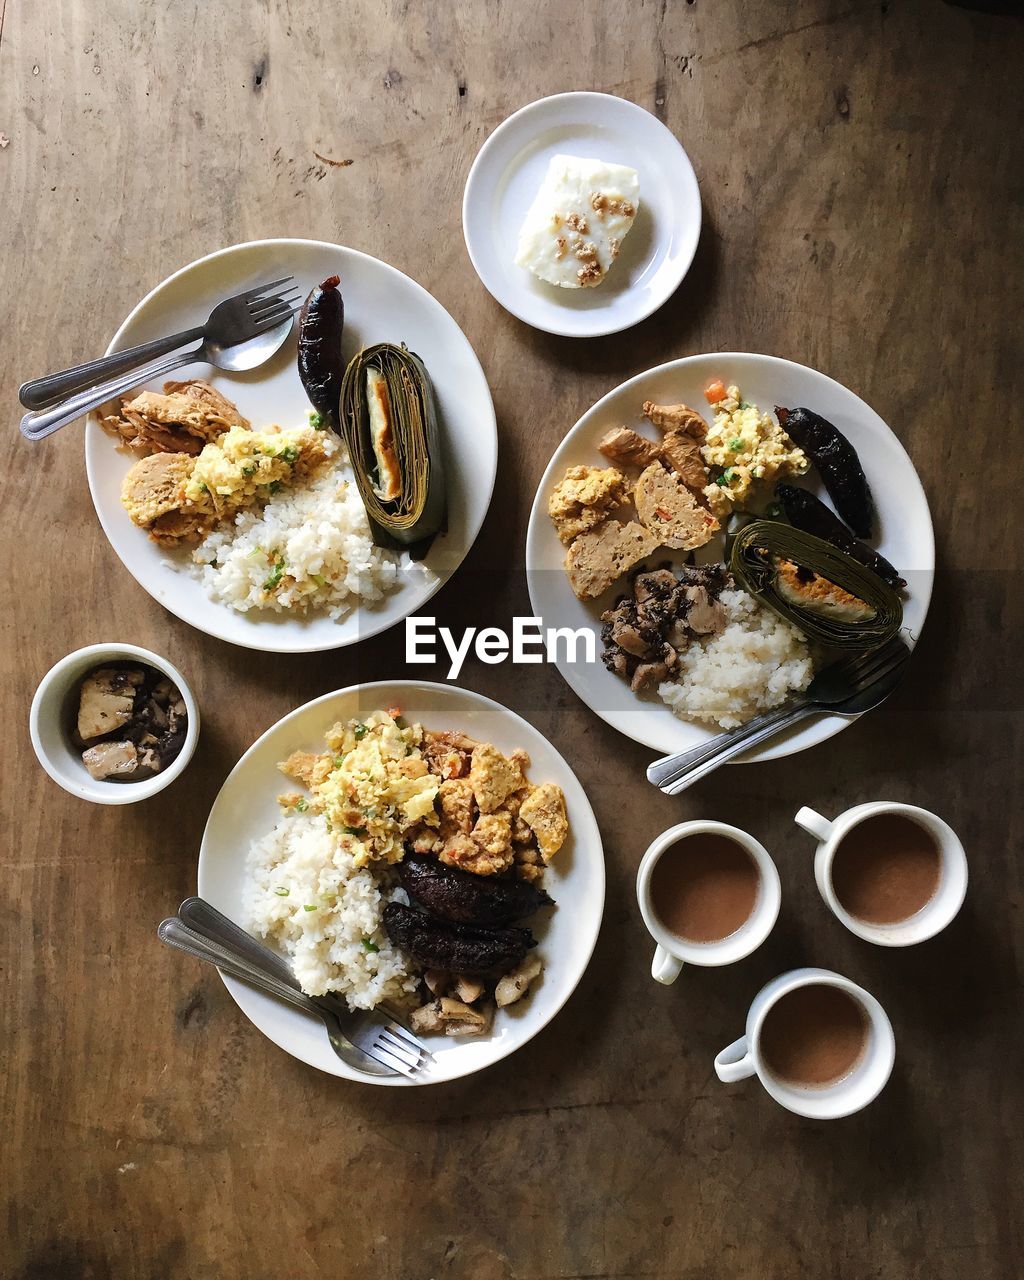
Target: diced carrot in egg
x: 714, y: 391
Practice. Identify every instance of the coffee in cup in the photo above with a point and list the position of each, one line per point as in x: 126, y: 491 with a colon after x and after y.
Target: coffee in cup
x: 709, y: 894
x: 820, y: 1045
x: 894, y: 874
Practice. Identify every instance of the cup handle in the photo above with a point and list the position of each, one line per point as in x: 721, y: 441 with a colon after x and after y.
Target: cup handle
x: 736, y: 1062
x: 814, y: 823
x: 665, y: 967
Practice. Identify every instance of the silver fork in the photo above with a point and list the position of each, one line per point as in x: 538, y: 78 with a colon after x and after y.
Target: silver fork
x: 231, y: 321
x: 368, y: 1041
x: 270, y: 328
x: 847, y: 688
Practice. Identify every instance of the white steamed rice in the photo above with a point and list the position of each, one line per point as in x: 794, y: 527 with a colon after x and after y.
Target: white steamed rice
x: 338, y: 945
x: 330, y: 562
x: 754, y: 664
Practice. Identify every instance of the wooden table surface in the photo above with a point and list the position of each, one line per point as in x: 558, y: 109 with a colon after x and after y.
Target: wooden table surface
x: 860, y: 167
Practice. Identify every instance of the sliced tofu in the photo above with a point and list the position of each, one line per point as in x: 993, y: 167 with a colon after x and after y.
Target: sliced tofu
x: 111, y: 760
x: 598, y: 557
x: 670, y: 511
x: 543, y: 811
x: 106, y: 701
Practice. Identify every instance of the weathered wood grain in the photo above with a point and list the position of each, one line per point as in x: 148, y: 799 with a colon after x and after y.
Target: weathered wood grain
x: 860, y: 166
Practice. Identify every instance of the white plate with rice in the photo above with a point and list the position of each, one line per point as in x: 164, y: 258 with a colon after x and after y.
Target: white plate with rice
x: 246, y: 814
x: 756, y: 660
x: 356, y: 589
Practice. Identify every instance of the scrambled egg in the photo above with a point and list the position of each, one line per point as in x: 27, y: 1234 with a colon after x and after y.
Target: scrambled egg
x: 372, y: 786
x: 747, y: 446
x: 243, y: 466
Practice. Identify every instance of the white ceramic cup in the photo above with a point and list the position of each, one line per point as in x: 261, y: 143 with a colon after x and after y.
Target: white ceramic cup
x: 824, y: 1102
x: 934, y: 915
x: 672, y: 951
x: 53, y: 712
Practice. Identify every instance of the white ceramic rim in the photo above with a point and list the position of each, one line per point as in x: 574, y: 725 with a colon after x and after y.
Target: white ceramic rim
x: 712, y: 955
x: 96, y: 790
x: 784, y: 1096
x: 925, y: 923
x: 260, y: 645
x: 657, y: 300
x: 589, y: 939
x: 779, y: 747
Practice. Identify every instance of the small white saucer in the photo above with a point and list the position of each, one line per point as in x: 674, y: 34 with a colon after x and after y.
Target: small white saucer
x: 507, y: 173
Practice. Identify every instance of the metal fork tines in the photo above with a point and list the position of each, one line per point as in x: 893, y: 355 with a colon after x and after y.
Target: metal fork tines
x: 848, y: 687
x: 355, y: 1036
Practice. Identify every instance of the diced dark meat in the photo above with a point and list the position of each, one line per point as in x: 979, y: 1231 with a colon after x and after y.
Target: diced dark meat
x: 654, y: 582
x: 647, y: 675
x: 132, y: 720
x: 704, y: 616
x: 645, y: 632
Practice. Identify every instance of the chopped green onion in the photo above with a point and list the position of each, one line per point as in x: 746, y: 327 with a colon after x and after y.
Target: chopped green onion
x: 274, y: 486
x: 339, y: 761
x: 249, y: 469
x: 289, y: 454
x: 319, y: 579
x: 309, y: 906
x: 277, y: 573
x: 360, y: 731
x: 301, y: 805
x: 316, y: 420
x: 735, y: 444
x: 744, y: 404
x: 370, y: 945
x: 282, y: 892
x: 354, y: 831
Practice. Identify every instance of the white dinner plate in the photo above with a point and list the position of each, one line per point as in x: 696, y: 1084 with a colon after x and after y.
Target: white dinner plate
x: 246, y: 809
x: 903, y: 530
x: 507, y: 173
x: 381, y: 305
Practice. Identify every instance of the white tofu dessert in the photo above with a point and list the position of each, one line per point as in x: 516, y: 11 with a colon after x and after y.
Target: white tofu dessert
x: 577, y: 222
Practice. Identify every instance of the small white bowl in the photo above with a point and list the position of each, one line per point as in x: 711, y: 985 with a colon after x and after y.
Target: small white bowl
x: 509, y: 169
x: 53, y: 712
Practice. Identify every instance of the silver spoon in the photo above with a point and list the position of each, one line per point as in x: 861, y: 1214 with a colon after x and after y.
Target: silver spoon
x: 173, y: 933
x: 236, y: 359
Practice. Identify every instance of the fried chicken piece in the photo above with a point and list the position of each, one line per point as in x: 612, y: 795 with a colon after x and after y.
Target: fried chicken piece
x: 447, y: 754
x: 494, y: 777
x: 682, y: 453
x: 627, y: 448
x: 455, y: 796
x: 188, y: 415
x: 301, y: 766
x: 677, y: 417
x: 544, y: 811
x: 583, y: 499
x: 486, y: 852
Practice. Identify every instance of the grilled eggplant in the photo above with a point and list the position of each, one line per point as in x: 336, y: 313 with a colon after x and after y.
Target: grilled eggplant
x: 832, y: 598
x: 389, y: 422
x: 457, y: 896
x: 455, y: 948
x: 321, y: 367
x: 837, y: 463
x: 805, y: 511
